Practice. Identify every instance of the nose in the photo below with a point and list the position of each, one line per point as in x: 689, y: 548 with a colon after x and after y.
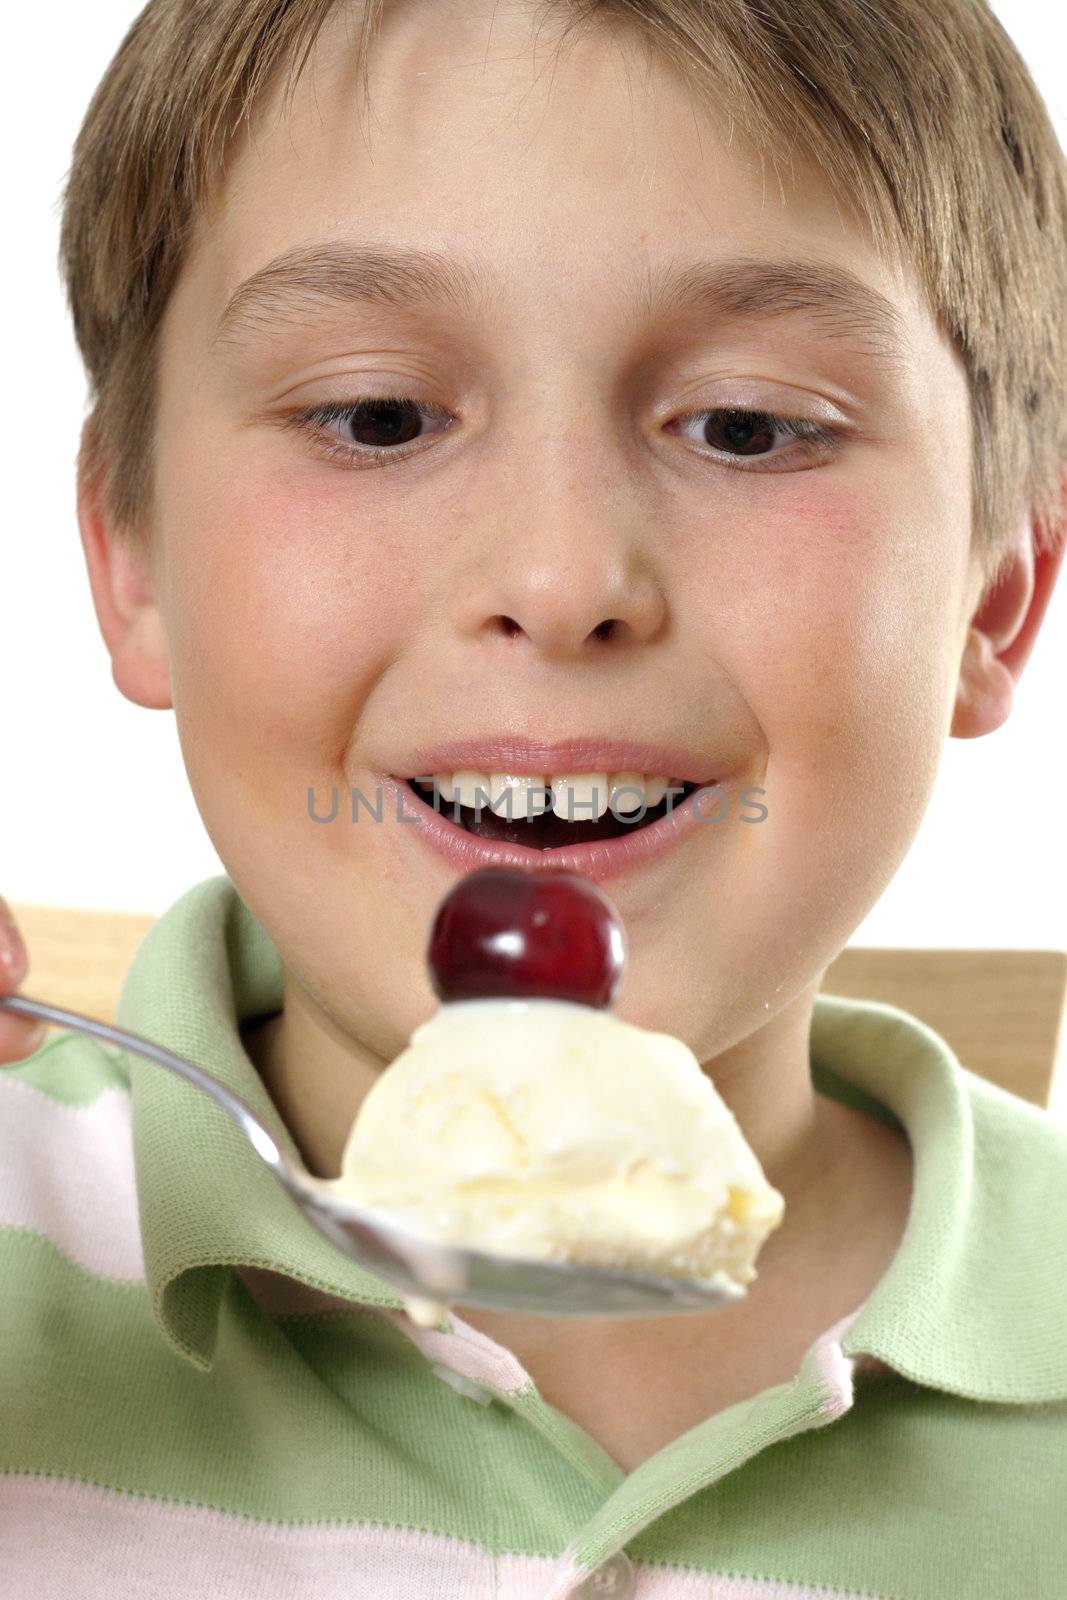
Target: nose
x: 568, y: 571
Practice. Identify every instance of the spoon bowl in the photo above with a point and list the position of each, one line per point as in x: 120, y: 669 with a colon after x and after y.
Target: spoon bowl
x: 430, y: 1273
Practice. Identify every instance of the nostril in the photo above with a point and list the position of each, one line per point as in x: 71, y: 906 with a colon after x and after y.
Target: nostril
x: 605, y: 629
x: 509, y: 626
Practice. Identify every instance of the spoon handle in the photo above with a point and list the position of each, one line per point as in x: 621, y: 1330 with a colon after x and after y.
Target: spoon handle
x: 241, y: 1112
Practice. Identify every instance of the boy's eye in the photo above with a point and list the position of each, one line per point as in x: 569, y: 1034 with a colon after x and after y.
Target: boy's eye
x: 737, y: 432
x: 364, y: 432
x: 368, y: 432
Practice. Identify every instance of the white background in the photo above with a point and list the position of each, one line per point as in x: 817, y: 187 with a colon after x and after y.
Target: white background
x: 96, y: 808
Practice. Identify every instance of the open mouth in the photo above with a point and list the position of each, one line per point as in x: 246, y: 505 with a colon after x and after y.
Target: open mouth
x: 549, y: 831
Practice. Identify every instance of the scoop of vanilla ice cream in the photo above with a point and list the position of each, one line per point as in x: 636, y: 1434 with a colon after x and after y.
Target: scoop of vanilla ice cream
x: 553, y: 1130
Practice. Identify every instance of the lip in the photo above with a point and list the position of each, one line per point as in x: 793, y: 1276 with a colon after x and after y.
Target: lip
x: 598, y: 861
x: 583, y: 754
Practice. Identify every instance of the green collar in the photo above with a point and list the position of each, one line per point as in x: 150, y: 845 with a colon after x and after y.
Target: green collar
x: 207, y: 1201
x: 974, y: 1302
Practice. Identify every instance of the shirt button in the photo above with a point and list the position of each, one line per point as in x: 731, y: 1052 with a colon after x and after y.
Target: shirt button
x: 614, y: 1577
x: 462, y: 1385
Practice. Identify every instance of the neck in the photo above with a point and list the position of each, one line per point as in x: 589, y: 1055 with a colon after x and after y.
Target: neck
x: 316, y: 1075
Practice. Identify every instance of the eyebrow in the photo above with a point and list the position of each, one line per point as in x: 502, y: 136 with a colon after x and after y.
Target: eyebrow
x: 757, y: 288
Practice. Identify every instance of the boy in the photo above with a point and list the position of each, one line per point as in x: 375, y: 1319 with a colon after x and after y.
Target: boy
x: 683, y: 468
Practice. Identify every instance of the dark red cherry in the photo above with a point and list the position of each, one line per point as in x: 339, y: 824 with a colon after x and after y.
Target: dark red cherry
x: 505, y: 933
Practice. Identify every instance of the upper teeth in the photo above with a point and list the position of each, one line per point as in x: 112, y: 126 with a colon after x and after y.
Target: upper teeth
x: 573, y: 796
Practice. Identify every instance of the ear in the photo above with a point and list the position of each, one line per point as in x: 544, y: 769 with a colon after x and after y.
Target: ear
x: 1002, y: 634
x: 123, y: 585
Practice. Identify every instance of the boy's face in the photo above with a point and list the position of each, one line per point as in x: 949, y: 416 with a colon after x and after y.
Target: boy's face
x: 793, y: 615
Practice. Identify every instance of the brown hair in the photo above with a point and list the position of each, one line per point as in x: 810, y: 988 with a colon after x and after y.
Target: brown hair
x: 924, y: 116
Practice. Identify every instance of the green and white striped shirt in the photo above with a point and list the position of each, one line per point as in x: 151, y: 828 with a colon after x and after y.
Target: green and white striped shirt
x: 200, y: 1397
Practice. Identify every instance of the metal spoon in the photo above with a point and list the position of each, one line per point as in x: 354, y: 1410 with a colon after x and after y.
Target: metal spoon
x: 430, y: 1274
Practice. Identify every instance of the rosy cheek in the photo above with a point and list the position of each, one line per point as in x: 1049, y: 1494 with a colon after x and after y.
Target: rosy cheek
x: 834, y: 521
